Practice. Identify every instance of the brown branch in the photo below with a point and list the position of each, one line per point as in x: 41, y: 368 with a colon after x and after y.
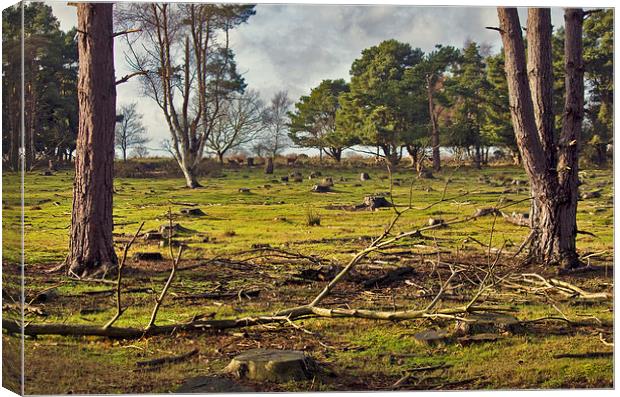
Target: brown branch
x: 160, y: 299
x: 494, y: 28
x: 126, y: 78
x: 116, y: 34
x: 119, y: 309
x: 207, y: 325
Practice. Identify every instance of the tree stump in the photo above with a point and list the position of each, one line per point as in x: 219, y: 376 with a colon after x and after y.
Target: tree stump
x: 431, y: 337
x: 321, y: 189
x: 273, y: 365
x: 211, y: 384
x: 148, y: 256
x: 153, y: 236
x: 478, y: 338
x: 269, y: 166
x: 373, y: 202
x: 426, y: 174
x: 192, y: 212
x: 167, y: 231
x: 436, y: 221
x: 487, y: 323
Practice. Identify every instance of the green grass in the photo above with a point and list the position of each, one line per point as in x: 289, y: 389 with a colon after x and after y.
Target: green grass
x: 259, y: 216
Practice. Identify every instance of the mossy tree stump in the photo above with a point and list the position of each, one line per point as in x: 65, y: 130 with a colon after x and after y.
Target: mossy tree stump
x: 272, y: 365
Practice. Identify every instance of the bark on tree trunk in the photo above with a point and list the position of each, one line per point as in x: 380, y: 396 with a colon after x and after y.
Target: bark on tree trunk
x: 554, y: 197
x: 190, y: 174
x: 269, y: 166
x: 478, y: 158
x: 434, y: 128
x: 91, y: 249
x: 568, y: 156
x: 15, y: 107
x: 413, y: 153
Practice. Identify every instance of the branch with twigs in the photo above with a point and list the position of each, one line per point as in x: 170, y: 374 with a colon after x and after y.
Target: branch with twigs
x: 537, y: 284
x: 175, y: 264
x: 119, y: 309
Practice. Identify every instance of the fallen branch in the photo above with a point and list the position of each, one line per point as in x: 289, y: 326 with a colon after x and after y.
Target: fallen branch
x: 303, y: 312
x: 584, y: 355
x: 221, y: 295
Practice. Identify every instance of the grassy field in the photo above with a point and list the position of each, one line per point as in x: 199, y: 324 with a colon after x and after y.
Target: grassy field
x: 360, y: 354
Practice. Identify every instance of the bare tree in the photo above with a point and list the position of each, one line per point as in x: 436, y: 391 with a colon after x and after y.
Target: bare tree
x: 91, y: 248
x: 186, y: 67
x: 275, y: 138
x: 140, y: 152
x: 240, y: 123
x: 551, y: 164
x: 130, y: 131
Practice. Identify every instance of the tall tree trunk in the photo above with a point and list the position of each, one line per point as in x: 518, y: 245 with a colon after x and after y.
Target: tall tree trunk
x: 190, y: 174
x: 568, y: 156
x: 553, y: 219
x: 15, y: 106
x: 414, y: 153
x: 478, y: 157
x: 269, y: 166
x: 434, y: 126
x: 91, y: 249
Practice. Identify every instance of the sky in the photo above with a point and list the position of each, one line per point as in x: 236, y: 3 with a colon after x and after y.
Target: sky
x: 294, y: 47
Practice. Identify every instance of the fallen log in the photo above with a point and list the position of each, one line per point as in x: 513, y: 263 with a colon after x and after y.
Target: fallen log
x: 584, y: 355
x: 221, y: 295
x: 301, y: 312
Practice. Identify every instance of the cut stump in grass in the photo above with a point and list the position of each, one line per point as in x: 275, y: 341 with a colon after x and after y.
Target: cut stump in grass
x: 432, y: 337
x: 153, y: 236
x: 273, y: 365
x: 487, y: 323
x: 212, y: 384
x: 373, y: 202
x: 148, y: 256
x: 192, y: 212
x: 478, y: 338
x: 321, y: 189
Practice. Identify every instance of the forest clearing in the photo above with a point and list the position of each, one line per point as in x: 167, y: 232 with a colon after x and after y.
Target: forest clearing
x: 194, y: 204
x: 252, y: 253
